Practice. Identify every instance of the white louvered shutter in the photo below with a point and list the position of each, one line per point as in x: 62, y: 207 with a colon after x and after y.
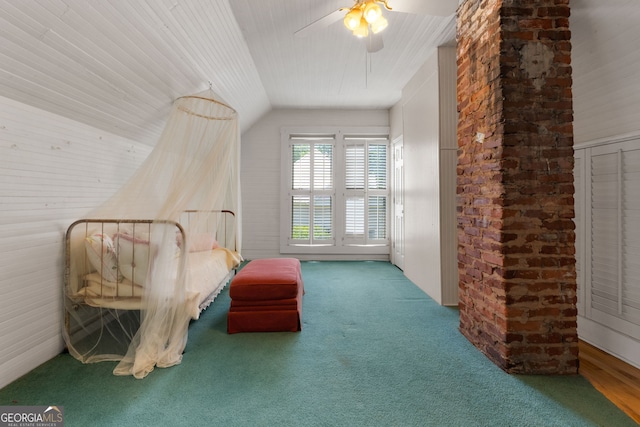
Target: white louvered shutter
x: 312, y: 190
x: 366, y: 191
x: 614, y: 285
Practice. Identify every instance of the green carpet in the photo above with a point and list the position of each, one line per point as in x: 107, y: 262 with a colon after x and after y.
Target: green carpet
x: 374, y: 351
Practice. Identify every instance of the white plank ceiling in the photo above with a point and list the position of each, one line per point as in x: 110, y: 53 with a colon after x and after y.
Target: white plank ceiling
x: 118, y: 65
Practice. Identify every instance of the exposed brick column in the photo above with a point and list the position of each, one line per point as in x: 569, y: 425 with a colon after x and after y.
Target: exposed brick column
x: 516, y: 251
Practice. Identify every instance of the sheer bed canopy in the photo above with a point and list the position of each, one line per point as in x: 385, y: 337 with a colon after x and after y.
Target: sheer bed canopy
x: 139, y: 266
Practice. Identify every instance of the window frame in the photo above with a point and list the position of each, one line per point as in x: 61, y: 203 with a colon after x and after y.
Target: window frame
x: 340, y: 244
x: 366, y: 192
x: 312, y: 192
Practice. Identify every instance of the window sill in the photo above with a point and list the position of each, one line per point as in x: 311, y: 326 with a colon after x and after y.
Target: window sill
x: 335, y: 250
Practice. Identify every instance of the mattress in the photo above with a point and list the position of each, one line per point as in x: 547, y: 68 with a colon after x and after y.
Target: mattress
x: 207, y: 274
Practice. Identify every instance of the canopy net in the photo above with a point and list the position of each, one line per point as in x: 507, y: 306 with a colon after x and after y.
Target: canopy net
x: 192, y: 171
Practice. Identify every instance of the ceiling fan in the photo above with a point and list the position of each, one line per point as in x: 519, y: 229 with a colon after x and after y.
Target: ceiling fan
x: 364, y: 19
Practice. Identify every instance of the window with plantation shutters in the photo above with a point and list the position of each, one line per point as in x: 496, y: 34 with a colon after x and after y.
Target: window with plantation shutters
x: 335, y: 191
x: 312, y: 190
x: 613, y: 237
x: 366, y: 190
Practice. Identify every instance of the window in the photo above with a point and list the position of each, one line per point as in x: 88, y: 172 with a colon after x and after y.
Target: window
x: 335, y: 191
x: 365, y: 190
x: 312, y: 190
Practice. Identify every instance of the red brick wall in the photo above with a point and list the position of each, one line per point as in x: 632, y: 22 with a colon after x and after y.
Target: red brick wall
x: 515, y: 184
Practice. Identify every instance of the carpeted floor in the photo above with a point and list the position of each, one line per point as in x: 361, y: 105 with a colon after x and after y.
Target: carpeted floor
x: 374, y: 351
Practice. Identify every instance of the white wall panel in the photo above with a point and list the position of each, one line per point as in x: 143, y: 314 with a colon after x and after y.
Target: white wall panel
x: 447, y: 77
x: 429, y: 123
x: 422, y: 179
x: 448, y: 227
x: 448, y: 80
x: 53, y: 170
x: 260, y: 170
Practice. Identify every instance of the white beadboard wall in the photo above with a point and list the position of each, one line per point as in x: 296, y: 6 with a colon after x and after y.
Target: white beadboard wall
x: 429, y: 119
x: 53, y: 170
x: 260, y: 166
x: 606, y: 65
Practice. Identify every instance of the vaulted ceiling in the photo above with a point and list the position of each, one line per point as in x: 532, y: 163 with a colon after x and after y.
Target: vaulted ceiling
x: 118, y: 64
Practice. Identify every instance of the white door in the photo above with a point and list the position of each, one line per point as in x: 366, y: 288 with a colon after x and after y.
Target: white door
x: 397, y: 238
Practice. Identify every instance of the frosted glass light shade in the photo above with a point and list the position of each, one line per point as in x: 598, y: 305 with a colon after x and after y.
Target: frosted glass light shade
x: 372, y: 12
x: 352, y: 19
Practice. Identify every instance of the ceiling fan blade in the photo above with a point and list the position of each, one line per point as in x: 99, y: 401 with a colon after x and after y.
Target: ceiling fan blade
x: 374, y: 42
x: 321, y: 23
x: 424, y: 7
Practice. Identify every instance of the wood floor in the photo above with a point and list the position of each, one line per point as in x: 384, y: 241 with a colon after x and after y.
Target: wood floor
x: 617, y: 380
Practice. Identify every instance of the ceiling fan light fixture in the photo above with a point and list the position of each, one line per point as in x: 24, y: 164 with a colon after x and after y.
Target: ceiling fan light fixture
x: 379, y: 25
x: 352, y: 18
x: 366, y: 15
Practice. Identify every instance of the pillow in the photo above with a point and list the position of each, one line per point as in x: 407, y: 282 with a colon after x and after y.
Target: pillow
x: 102, y: 256
x: 133, y: 257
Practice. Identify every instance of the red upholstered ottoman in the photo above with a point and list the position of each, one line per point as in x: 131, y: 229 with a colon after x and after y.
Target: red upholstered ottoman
x: 266, y: 296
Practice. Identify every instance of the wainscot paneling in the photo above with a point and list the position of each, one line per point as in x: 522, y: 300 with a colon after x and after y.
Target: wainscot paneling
x: 607, y: 205
x: 52, y: 171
